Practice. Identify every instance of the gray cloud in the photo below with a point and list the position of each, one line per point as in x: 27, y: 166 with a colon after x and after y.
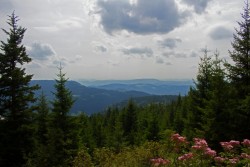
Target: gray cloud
x: 168, y: 63
x: 175, y: 54
x: 170, y: 42
x: 40, y: 51
x: 101, y: 48
x: 6, y: 6
x: 193, y: 54
x: 144, y: 17
x: 166, y: 54
x: 160, y: 60
x: 220, y: 32
x: 57, y: 63
x: 139, y: 51
x: 199, y: 5
x: 34, y: 65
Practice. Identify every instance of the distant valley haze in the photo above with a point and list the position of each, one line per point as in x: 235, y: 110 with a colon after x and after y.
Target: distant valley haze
x: 96, y: 96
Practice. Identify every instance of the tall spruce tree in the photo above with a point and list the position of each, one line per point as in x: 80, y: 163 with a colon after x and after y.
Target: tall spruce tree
x: 197, y: 96
x: 239, y: 72
x: 62, y: 144
x: 39, y: 156
x: 130, y: 124
x: 215, y: 111
x: 239, y: 75
x: 16, y: 95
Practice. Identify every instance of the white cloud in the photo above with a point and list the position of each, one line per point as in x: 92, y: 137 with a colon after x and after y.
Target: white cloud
x: 139, y: 38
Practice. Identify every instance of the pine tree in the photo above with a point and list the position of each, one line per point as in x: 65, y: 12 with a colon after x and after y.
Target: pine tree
x: 215, y: 112
x: 62, y: 144
x: 197, y: 95
x: 129, y: 121
x: 239, y: 75
x: 16, y: 96
x: 239, y: 72
x: 39, y: 156
x: 42, y: 119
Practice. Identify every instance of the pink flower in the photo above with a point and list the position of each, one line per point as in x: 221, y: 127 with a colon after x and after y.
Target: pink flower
x: 234, y: 143
x: 175, y: 136
x: 178, y: 138
x: 159, y: 161
x: 219, y: 159
x: 182, y: 139
x: 233, y: 160
x: 197, y: 147
x: 185, y: 157
x: 245, y: 156
x: 246, y: 143
x: 210, y: 153
x: 200, y: 142
x: 226, y: 145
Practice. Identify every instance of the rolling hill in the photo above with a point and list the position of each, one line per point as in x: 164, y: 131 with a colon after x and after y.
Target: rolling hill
x: 88, y: 100
x: 150, y: 86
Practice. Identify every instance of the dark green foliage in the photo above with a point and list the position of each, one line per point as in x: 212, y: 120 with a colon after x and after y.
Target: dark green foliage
x: 16, y: 94
x: 153, y: 130
x: 239, y: 72
x: 239, y: 75
x: 129, y: 122
x: 42, y: 120
x: 82, y: 159
x: 216, y: 114
x: 197, y: 95
x: 62, y: 143
x: 39, y: 157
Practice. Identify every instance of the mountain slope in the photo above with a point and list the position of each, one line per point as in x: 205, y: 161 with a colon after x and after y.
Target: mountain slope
x: 88, y: 100
x: 150, y: 86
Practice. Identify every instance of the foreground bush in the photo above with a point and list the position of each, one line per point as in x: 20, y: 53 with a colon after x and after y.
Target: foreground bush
x: 198, y: 153
x: 175, y: 151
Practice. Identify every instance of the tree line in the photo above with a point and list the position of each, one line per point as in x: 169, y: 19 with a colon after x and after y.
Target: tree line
x: 34, y: 133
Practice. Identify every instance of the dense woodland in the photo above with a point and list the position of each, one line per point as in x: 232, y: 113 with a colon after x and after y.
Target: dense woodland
x: 217, y: 109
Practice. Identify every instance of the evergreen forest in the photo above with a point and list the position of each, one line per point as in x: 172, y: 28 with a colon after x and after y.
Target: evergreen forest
x: 210, y: 126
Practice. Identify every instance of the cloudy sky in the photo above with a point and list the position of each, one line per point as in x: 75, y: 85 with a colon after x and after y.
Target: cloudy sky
x: 122, y: 39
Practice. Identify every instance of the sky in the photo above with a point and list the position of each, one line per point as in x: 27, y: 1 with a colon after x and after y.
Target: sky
x: 122, y: 39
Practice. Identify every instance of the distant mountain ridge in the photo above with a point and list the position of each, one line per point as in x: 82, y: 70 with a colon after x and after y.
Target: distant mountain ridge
x: 97, y: 97
x: 150, y: 86
x: 88, y: 100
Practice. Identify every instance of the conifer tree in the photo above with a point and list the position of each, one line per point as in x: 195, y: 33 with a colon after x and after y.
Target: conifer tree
x: 197, y: 95
x: 215, y: 112
x: 130, y: 123
x: 42, y: 119
x: 39, y: 156
x: 16, y: 96
x: 239, y: 75
x: 62, y: 144
x: 239, y: 72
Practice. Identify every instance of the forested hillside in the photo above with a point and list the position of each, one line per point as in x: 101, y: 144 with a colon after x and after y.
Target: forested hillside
x: 150, y: 86
x: 88, y: 100
x: 207, y: 127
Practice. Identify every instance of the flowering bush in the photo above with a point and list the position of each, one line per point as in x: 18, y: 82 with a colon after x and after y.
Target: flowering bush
x: 235, y: 153
x: 175, y: 151
x: 159, y: 161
